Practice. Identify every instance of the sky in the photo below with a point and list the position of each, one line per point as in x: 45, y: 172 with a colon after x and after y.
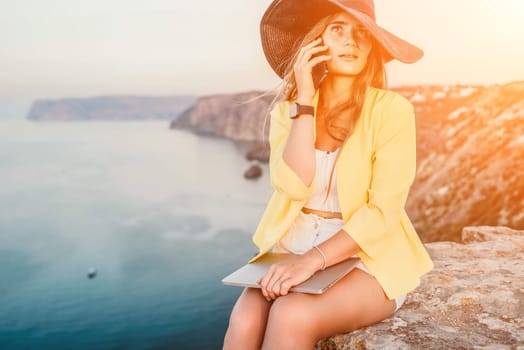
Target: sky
x: 74, y: 48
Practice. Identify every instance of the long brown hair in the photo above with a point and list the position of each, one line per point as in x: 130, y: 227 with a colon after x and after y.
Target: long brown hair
x: 340, y: 120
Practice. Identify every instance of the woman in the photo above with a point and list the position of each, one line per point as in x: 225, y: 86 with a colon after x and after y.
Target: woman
x: 342, y: 161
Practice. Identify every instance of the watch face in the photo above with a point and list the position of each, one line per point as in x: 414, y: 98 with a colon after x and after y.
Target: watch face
x: 293, y: 110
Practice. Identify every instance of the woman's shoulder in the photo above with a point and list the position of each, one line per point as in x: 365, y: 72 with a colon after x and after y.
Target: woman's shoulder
x: 388, y: 98
x: 384, y: 106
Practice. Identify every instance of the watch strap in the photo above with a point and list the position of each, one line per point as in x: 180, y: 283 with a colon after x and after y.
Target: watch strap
x: 298, y: 109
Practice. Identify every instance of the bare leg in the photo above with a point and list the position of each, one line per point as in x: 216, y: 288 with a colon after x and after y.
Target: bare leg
x: 247, y: 323
x: 298, y: 321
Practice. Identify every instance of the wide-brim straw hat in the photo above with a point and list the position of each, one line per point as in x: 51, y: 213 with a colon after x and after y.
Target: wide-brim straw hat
x: 285, y: 23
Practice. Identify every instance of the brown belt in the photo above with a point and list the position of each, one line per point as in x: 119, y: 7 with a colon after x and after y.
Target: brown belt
x: 323, y: 214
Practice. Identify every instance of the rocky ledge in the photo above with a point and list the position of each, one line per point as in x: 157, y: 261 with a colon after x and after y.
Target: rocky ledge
x: 473, y: 299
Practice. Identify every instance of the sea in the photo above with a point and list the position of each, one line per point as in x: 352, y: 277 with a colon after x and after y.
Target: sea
x: 116, y: 235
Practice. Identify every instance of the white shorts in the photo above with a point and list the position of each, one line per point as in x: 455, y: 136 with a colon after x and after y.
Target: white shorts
x: 309, y: 230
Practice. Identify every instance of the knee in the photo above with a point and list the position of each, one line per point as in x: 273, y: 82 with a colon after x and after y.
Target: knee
x: 242, y: 324
x: 289, y: 316
x: 246, y: 323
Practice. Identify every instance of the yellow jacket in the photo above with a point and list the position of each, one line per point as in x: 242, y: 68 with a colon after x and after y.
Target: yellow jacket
x: 375, y: 170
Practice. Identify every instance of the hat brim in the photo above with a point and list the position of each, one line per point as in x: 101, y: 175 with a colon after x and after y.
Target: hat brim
x: 285, y: 22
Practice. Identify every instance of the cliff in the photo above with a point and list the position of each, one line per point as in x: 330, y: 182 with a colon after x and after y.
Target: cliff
x: 470, y: 151
x: 110, y: 108
x: 470, y: 158
x: 238, y: 117
x: 472, y: 299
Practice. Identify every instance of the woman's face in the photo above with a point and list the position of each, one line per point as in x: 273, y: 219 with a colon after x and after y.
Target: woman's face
x: 349, y: 45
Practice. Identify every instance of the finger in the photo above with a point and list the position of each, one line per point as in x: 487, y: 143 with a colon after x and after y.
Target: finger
x: 281, y: 274
x: 317, y: 60
x: 273, y: 286
x: 312, y: 43
x: 276, y: 288
x: 269, y: 280
x: 311, y: 49
x: 317, y: 49
x: 270, y: 294
x: 264, y: 282
x: 262, y: 290
x: 273, y: 296
x: 285, y: 286
x: 267, y: 277
x: 306, y: 54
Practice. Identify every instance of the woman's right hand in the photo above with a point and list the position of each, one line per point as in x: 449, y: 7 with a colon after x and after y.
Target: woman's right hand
x: 308, y: 57
x: 281, y: 277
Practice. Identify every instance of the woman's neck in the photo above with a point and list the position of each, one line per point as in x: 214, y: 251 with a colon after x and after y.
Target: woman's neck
x: 336, y: 90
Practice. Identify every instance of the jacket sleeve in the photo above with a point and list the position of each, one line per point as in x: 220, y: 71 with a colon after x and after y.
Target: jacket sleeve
x: 283, y: 178
x: 393, y: 172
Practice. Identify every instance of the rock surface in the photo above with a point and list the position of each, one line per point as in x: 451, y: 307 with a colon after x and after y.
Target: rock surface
x: 259, y: 152
x: 470, y: 148
x: 254, y: 172
x: 473, y: 299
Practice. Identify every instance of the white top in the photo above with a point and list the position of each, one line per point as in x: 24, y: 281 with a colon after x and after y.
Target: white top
x: 325, y: 163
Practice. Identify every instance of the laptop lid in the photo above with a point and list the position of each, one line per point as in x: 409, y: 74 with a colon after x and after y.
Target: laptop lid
x: 249, y: 274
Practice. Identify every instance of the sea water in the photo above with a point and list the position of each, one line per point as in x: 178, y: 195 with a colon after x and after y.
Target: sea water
x: 159, y: 215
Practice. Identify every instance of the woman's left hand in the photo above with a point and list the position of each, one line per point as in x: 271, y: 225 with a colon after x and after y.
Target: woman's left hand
x: 281, y: 277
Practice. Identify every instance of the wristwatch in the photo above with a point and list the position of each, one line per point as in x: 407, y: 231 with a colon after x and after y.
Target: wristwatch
x: 296, y: 110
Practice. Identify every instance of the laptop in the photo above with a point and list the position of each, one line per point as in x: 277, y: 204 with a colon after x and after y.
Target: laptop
x: 249, y: 274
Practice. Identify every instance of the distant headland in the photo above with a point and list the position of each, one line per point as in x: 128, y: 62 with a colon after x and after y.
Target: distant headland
x: 115, y: 108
